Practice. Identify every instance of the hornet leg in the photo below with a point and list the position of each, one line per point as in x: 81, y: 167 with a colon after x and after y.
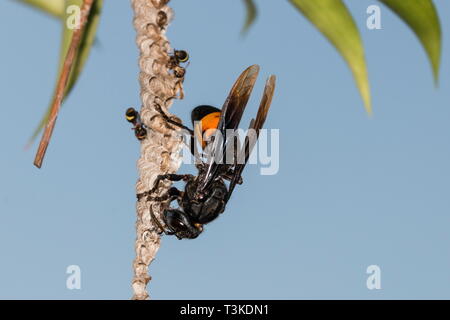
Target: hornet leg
x: 160, y: 226
x: 170, y: 177
x: 169, y: 120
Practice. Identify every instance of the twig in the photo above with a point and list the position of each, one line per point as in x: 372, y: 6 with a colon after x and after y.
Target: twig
x: 62, y: 83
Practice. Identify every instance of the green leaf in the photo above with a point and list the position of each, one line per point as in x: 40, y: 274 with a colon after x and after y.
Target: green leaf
x: 252, y: 12
x: 334, y: 20
x: 52, y: 7
x: 83, y: 52
x: 421, y: 16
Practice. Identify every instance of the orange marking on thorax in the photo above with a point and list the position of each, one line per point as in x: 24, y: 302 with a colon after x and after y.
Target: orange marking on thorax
x: 209, y: 124
x: 210, y: 121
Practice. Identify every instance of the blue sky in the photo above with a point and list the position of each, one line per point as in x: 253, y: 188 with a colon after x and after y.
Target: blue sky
x: 352, y: 191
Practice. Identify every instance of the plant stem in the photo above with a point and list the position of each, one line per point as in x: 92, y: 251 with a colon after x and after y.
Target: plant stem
x: 62, y: 83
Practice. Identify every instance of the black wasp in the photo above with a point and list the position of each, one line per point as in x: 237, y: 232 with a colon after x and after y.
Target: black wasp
x: 205, y: 195
x: 133, y: 117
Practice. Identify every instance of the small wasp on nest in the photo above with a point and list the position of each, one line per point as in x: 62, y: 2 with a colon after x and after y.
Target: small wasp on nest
x: 175, y: 59
x: 134, y: 117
